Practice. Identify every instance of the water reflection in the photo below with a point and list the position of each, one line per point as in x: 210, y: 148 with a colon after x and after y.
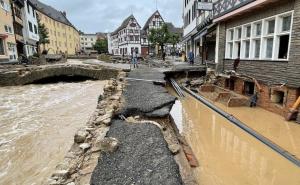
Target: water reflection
x: 228, y: 155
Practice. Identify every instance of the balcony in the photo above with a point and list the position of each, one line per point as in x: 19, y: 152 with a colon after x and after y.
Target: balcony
x: 223, y: 7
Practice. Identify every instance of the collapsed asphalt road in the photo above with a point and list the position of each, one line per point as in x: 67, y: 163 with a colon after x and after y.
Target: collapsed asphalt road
x: 143, y: 157
x: 144, y: 97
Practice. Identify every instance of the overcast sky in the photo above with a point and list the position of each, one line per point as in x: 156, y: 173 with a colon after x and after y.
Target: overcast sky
x: 93, y: 16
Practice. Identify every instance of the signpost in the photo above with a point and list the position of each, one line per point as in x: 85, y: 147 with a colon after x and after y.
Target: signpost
x: 205, y: 6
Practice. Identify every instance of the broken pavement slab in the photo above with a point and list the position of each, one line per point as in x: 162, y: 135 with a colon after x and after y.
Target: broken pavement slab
x: 146, y: 98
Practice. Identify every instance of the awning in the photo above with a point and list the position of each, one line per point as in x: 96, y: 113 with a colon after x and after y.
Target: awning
x: 200, y: 34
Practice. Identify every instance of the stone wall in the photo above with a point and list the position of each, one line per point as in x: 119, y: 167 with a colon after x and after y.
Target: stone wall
x: 267, y: 72
x: 90, y: 141
x: 27, y: 75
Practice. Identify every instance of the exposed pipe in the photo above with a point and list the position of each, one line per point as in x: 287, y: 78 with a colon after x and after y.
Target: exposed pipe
x: 177, y: 88
x: 247, y: 129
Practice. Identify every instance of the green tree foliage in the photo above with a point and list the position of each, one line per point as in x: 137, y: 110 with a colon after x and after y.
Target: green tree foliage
x: 101, y: 46
x: 174, y: 39
x: 44, y: 34
x: 159, y: 37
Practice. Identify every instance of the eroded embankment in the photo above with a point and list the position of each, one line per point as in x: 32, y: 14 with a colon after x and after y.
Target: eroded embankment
x: 80, y: 161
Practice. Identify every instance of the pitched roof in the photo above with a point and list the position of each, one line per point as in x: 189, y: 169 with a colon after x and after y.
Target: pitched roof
x: 123, y: 25
x: 150, y: 18
x: 51, y: 12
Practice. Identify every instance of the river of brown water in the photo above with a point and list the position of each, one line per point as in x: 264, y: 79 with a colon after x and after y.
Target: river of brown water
x: 37, y: 125
x: 228, y: 155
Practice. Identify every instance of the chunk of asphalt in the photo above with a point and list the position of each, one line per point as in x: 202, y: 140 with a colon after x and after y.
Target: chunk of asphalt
x: 142, y: 158
x: 145, y: 97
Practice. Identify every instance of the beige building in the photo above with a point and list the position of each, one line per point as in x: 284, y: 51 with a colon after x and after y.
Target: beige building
x: 63, y: 36
x: 8, y: 51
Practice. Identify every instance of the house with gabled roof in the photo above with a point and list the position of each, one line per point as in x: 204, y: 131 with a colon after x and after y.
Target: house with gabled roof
x: 126, y: 37
x: 156, y: 21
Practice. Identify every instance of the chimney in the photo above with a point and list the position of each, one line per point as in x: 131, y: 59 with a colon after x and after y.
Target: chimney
x: 65, y: 13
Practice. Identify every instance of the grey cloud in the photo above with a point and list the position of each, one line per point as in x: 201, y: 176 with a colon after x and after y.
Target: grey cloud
x: 106, y: 15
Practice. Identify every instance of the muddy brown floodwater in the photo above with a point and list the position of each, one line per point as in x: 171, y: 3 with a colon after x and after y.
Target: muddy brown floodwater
x: 228, y: 155
x: 37, y: 125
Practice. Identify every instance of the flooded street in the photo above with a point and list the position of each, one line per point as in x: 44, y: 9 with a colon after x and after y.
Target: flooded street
x: 37, y: 125
x: 228, y: 155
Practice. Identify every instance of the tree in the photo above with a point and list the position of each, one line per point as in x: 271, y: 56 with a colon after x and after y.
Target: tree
x: 44, y: 35
x: 101, y: 46
x: 174, y: 39
x: 159, y: 36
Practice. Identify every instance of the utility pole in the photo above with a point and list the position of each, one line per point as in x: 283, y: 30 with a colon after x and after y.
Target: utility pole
x: 156, y: 4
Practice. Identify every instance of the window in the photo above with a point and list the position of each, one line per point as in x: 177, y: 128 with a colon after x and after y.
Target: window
x: 269, y: 48
x: 2, y: 51
x: 266, y: 39
x: 256, y: 49
x: 271, y: 26
x: 35, y: 29
x: 283, y: 46
x: 249, y: 88
x: 247, y: 31
x: 28, y: 7
x: 257, y: 29
x: 30, y: 26
x: 8, y: 29
x: 247, y: 49
x: 286, y: 23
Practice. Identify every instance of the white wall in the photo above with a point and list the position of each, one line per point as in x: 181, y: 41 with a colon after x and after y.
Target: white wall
x: 109, y: 44
x: 30, y: 37
x: 193, y: 23
x: 87, y: 41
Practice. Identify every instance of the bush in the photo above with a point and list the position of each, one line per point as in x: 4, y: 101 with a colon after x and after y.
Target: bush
x: 104, y: 58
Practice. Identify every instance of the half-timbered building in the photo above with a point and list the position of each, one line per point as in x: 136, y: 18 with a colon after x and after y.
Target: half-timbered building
x: 126, y: 38
x: 155, y: 21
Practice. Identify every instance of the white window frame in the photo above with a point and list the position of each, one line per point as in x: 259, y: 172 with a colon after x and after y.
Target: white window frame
x: 262, y: 37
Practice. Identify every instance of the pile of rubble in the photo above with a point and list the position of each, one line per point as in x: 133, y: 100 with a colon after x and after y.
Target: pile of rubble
x: 80, y: 161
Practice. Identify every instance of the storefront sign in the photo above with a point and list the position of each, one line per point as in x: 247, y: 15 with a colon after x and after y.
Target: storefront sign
x: 205, y: 6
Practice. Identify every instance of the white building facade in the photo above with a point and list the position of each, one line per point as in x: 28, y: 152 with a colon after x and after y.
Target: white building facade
x: 30, y: 29
x: 126, y: 38
x: 198, y: 34
x: 87, y: 42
